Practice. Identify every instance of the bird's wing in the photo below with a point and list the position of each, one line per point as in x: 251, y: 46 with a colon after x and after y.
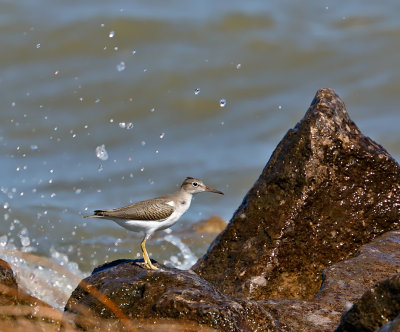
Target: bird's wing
x: 154, y: 209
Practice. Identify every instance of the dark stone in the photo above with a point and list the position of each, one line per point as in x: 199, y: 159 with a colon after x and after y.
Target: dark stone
x: 344, y: 283
x: 124, y: 290
x: 8, y: 285
x: 326, y: 190
x: 376, y: 308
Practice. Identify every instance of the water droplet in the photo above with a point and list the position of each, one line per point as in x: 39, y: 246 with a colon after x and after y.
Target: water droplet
x: 111, y: 34
x: 238, y: 66
x: 222, y: 102
x: 78, y: 191
x: 129, y: 125
x: 142, y: 169
x: 101, y: 152
x: 56, y: 73
x: 97, y: 100
x: 152, y: 110
x: 197, y: 91
x: 162, y: 135
x: 115, y: 48
x: 38, y: 45
x: 34, y: 147
x: 100, y: 168
x: 143, y: 143
x: 53, y: 195
x: 133, y: 52
x: 121, y: 66
x: 3, y: 240
x: 13, y: 104
x: 6, y: 205
x: 122, y: 125
x: 102, y: 25
x: 279, y: 107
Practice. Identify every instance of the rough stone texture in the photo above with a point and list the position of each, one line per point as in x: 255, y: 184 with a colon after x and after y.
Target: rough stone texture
x: 393, y: 326
x: 326, y: 190
x: 376, y: 308
x: 20, y: 311
x: 180, y: 296
x: 170, y: 293
x: 343, y: 284
x: 8, y: 285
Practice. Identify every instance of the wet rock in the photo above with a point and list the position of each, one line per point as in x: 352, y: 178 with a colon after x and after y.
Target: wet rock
x: 344, y: 283
x: 377, y: 307
x: 124, y: 290
x: 326, y: 190
x: 8, y: 285
x: 19, y: 310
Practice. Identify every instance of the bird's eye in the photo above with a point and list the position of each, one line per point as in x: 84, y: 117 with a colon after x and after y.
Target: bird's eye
x: 195, y: 184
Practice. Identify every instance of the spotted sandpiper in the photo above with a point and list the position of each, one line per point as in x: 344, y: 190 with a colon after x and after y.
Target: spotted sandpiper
x: 155, y: 214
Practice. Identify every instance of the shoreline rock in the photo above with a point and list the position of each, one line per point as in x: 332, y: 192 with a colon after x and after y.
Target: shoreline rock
x: 169, y: 293
x: 326, y: 190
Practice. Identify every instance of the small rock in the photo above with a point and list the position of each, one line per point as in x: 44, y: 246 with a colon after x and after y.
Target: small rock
x: 213, y: 224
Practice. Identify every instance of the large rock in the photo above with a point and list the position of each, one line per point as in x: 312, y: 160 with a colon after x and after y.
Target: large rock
x: 326, y: 190
x: 125, y: 290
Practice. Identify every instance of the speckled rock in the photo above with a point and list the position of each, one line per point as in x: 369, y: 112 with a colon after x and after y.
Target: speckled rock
x: 375, y: 309
x: 8, y: 285
x: 344, y: 283
x: 133, y: 292
x: 326, y: 190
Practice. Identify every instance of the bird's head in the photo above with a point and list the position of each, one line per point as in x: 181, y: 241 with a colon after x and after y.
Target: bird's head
x: 194, y: 186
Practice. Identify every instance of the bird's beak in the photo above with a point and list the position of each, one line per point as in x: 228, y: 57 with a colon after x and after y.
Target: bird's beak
x: 214, y: 191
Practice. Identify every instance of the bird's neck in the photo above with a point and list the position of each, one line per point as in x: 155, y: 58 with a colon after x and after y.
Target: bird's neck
x: 185, y: 195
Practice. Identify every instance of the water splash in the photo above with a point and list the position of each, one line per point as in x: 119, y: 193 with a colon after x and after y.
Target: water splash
x: 101, y: 152
x: 188, y: 257
x: 121, y: 66
x: 126, y: 125
x: 49, y: 279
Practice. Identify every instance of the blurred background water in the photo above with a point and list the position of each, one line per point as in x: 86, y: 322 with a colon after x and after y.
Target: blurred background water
x: 185, y: 88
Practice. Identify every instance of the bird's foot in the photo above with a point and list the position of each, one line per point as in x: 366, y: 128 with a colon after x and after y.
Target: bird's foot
x: 150, y: 266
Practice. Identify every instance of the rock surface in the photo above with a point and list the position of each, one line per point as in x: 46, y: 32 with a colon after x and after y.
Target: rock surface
x: 376, y: 308
x: 326, y: 190
x: 20, y: 311
x: 171, y: 293
x: 343, y: 284
x: 8, y: 285
x: 181, y: 296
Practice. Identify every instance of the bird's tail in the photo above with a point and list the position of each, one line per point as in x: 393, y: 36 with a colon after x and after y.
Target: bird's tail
x: 96, y: 214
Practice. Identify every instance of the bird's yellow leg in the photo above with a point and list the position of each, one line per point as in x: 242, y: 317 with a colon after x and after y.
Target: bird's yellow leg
x: 147, y: 261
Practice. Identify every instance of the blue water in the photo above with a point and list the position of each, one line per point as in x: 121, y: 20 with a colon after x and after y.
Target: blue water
x: 70, y: 73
